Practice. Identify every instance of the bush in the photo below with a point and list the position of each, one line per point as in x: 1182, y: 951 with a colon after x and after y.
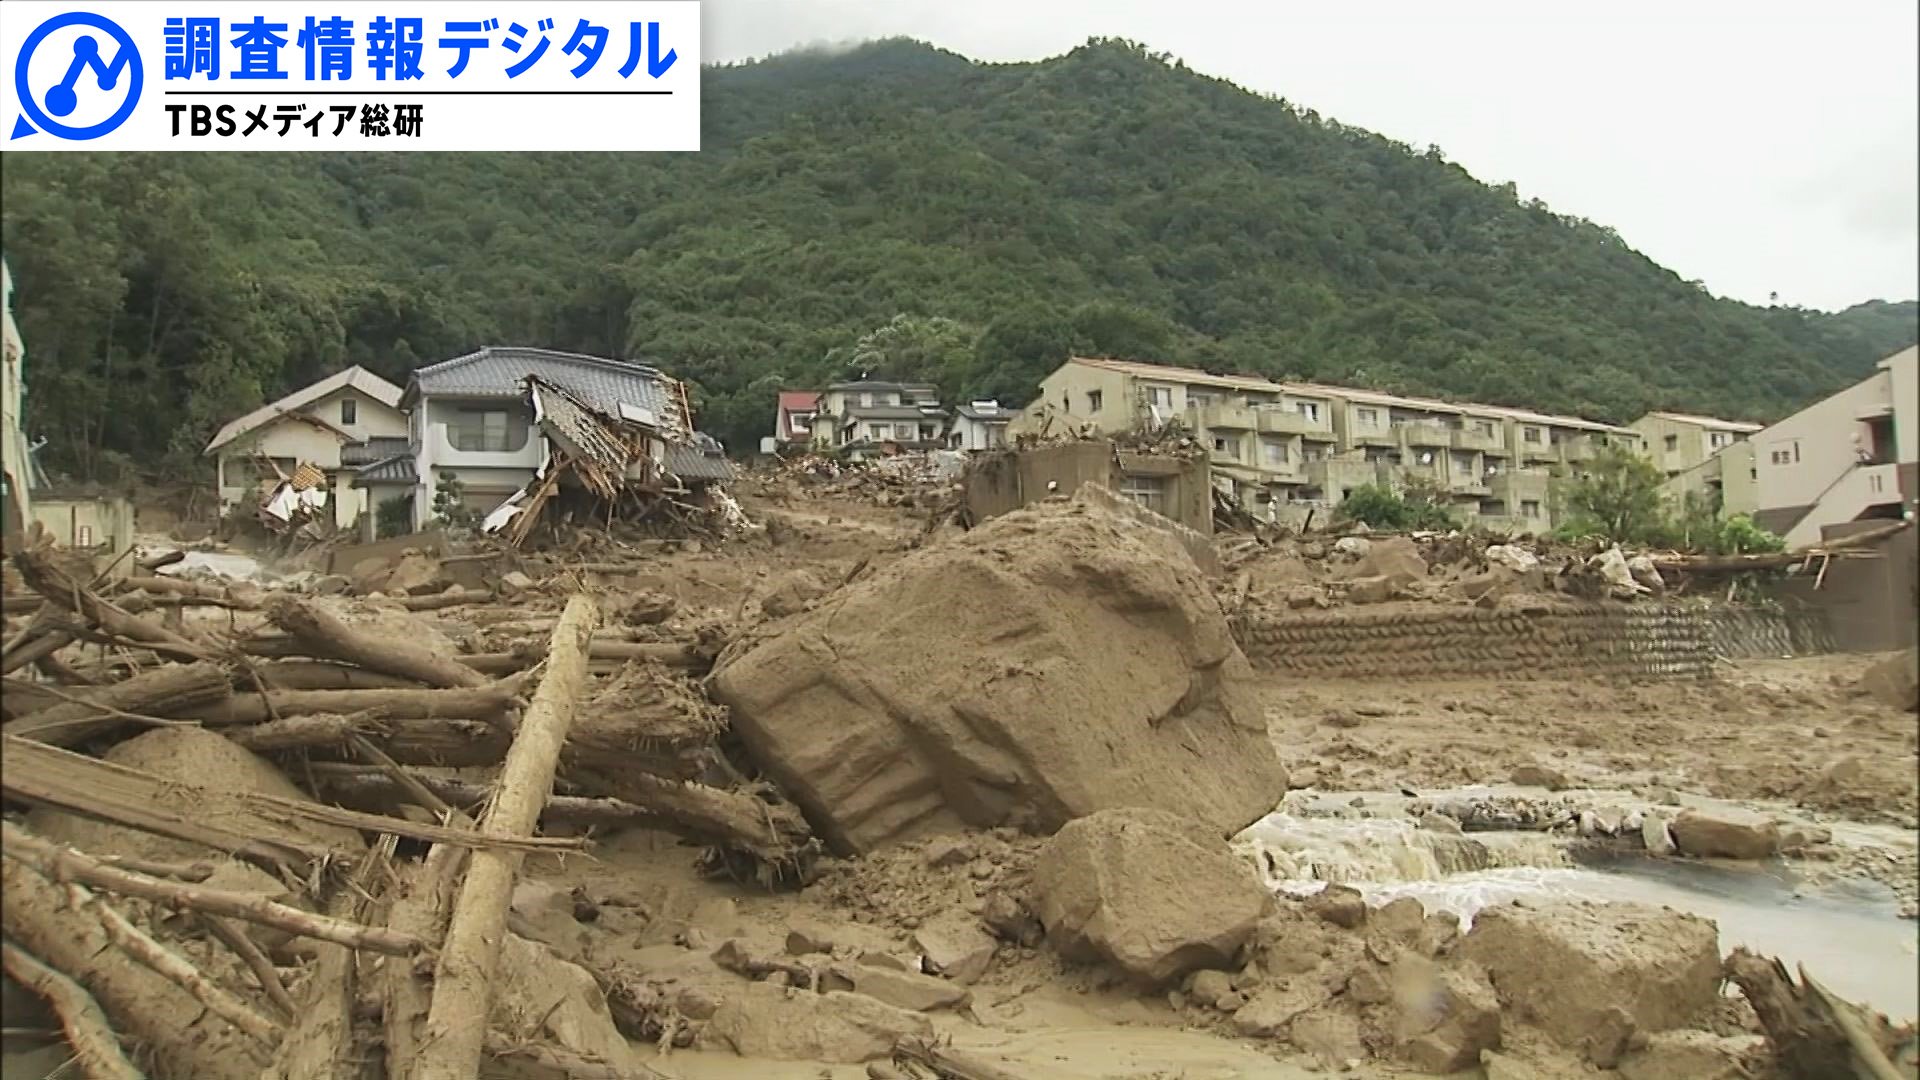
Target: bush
x: 449, y: 504
x: 394, y: 517
x: 1380, y: 507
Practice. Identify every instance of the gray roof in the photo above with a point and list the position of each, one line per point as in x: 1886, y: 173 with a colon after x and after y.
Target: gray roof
x: 988, y: 415
x: 704, y: 462
x: 372, y: 450
x: 397, y: 469
x: 500, y: 371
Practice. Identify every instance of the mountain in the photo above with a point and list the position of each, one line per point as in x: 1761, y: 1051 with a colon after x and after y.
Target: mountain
x: 895, y: 209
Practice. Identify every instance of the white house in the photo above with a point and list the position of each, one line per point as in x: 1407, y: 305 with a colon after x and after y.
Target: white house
x: 979, y: 425
x: 470, y: 419
x: 867, y: 414
x: 312, y: 425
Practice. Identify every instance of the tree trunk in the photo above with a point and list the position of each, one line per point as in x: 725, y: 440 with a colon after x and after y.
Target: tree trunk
x: 463, y: 988
x: 167, y: 691
x: 334, y: 639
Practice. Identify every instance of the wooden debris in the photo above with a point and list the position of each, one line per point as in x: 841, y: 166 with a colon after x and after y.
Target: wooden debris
x: 463, y: 987
x: 1812, y: 1032
x: 486, y: 702
x: 331, y: 638
x: 167, y: 691
x: 140, y: 945
x: 86, y: 1027
x: 47, y: 579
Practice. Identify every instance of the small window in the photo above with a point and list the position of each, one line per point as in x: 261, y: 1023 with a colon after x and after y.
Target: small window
x: 1719, y: 439
x: 1276, y: 453
x: 1093, y: 400
x: 476, y: 430
x: 1369, y: 417
x: 1673, y: 442
x: 1529, y: 508
x: 349, y: 411
x: 1161, y: 396
x: 1308, y: 409
x: 1530, y: 435
x: 1484, y: 427
x: 84, y: 538
x: 1199, y: 400
x: 1782, y: 457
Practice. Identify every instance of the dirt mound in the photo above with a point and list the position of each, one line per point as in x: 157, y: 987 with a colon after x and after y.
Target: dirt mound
x: 1895, y: 681
x: 1581, y: 971
x: 194, y: 757
x: 1154, y: 894
x: 1056, y: 661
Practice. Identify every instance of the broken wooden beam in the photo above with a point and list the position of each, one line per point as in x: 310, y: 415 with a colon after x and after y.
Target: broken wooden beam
x: 89, y: 1034
x: 464, y: 979
x: 62, y: 590
x: 671, y: 654
x: 484, y: 703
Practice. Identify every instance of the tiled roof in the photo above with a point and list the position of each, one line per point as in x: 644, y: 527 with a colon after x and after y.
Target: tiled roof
x: 372, y: 450
x: 890, y: 412
x: 998, y: 414
x: 357, y: 377
x: 499, y: 371
x: 707, y: 461
x: 397, y: 469
x: 799, y: 400
x: 877, y: 384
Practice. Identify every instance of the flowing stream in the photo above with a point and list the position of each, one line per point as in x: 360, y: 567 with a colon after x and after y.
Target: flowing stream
x: 1848, y: 934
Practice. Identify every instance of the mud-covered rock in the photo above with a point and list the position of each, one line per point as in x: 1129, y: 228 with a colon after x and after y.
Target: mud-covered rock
x: 955, y: 945
x: 789, y: 593
x: 1391, y: 557
x: 901, y: 989
x: 1080, y: 663
x: 1154, y: 894
x: 1694, y: 1055
x: 1895, y: 681
x: 1725, y: 832
x: 768, y: 1021
x: 1564, y: 966
x: 1443, y: 1017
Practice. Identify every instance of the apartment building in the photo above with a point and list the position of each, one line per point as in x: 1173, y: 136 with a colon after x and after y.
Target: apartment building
x: 863, y: 416
x: 1854, y: 456
x: 1689, y: 449
x: 1286, y: 448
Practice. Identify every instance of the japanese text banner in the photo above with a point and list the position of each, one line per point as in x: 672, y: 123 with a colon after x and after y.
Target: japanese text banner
x: 380, y: 75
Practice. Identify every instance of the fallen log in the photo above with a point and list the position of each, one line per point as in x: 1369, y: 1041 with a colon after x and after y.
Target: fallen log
x: 671, y: 654
x: 329, y: 637
x: 737, y: 820
x: 169, y: 965
x: 243, y: 598
x: 949, y: 1062
x: 246, y: 824
x: 487, y: 702
x: 43, y: 644
x: 439, y: 601
x: 264, y: 973
x: 166, y: 691
x: 88, y: 1033
x: 154, y: 562
x: 61, y: 863
x: 421, y: 900
x: 411, y: 740
x: 181, y: 1040
x: 62, y: 590
x: 315, y: 675
x: 464, y: 980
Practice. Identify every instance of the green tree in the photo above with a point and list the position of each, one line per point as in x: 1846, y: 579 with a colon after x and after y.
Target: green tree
x: 1616, y: 497
x: 1418, y: 507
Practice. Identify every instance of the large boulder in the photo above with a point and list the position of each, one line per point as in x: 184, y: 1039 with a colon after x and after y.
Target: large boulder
x: 1895, y: 681
x: 1567, y: 966
x: 1154, y: 894
x: 768, y: 1021
x: 1726, y: 832
x: 1058, y: 660
x: 1394, y: 557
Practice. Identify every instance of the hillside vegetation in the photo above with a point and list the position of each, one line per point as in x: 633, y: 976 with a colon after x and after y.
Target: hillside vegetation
x: 895, y: 209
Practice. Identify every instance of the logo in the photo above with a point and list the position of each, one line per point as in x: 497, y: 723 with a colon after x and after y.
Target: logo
x: 77, y: 81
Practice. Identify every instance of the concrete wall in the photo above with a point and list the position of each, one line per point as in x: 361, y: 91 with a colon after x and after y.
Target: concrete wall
x: 1903, y: 371
x: 1001, y: 482
x: 1870, y: 603
x: 1817, y: 444
x: 86, y: 521
x: 1638, y: 641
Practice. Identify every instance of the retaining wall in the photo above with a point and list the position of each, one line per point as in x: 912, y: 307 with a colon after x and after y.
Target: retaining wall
x: 1572, y: 640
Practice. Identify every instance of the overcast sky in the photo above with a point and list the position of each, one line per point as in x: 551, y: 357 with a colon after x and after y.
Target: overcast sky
x: 1761, y: 146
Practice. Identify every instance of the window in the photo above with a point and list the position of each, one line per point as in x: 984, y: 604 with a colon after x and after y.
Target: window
x: 349, y: 411
x: 1308, y: 409
x: 1785, y: 453
x: 1484, y: 427
x: 1276, y: 453
x: 84, y: 538
x: 1199, y: 400
x: 1529, y: 508
x: 480, y: 430
x: 1148, y: 491
x: 1161, y: 396
x: 1782, y: 457
x: 1673, y: 442
x: 1226, y: 444
x: 879, y: 432
x: 1719, y: 439
x: 1530, y: 435
x: 866, y: 401
x: 1368, y: 417
x: 801, y: 421
x: 1093, y: 400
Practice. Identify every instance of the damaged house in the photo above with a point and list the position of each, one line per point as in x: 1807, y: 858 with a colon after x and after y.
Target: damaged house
x: 530, y: 425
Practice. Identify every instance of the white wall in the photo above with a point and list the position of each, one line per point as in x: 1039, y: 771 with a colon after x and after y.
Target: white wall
x: 1818, y: 445
x: 1903, y: 369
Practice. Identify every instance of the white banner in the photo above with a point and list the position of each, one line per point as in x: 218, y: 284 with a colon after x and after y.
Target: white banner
x: 354, y: 75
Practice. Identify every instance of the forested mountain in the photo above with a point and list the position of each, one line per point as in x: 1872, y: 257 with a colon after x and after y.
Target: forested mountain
x: 895, y: 209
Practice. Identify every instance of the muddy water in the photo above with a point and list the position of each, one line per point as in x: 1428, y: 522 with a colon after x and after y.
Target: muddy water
x: 1847, y: 934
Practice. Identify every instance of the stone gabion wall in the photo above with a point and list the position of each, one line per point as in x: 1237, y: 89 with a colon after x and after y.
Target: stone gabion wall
x: 1589, y: 640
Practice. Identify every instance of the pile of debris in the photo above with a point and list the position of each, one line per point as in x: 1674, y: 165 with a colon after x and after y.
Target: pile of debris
x: 909, y: 479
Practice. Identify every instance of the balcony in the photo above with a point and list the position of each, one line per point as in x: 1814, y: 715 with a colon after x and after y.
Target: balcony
x: 1524, y: 485
x: 1336, y: 474
x: 441, y: 453
x: 1221, y: 415
x: 1283, y: 420
x: 1425, y: 433
x: 1484, y: 441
